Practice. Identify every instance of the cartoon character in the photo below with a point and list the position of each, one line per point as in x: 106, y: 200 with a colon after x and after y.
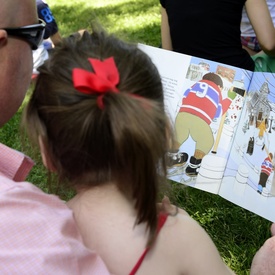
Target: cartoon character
x: 201, y: 104
x: 266, y: 169
x: 250, y: 147
x: 262, y: 128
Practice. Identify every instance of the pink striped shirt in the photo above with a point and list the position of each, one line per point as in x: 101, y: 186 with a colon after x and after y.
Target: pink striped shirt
x: 38, y: 234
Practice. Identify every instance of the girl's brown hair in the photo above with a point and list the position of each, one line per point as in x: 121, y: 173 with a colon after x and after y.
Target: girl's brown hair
x: 124, y: 142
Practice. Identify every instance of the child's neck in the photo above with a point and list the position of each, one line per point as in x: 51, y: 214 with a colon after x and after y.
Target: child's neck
x: 101, y: 197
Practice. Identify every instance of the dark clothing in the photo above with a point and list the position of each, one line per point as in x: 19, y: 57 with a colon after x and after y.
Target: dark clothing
x: 263, y: 179
x: 208, y: 29
x: 45, y: 14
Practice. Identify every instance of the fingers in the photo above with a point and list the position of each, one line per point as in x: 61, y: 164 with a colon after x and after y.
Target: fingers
x: 172, y: 210
x: 168, y: 208
x: 272, y: 229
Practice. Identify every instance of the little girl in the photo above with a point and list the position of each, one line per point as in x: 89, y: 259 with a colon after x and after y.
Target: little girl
x: 97, y: 113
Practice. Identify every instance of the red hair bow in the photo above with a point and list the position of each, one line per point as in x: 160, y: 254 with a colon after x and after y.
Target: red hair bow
x: 104, y: 79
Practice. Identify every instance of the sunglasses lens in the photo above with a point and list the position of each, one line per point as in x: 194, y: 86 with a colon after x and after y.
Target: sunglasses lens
x: 35, y: 38
x: 33, y: 34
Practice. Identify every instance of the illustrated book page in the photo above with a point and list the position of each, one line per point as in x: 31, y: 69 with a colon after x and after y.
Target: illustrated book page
x: 204, y: 101
x: 249, y: 175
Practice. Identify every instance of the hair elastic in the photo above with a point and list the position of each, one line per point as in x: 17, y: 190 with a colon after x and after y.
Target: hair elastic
x: 104, y: 79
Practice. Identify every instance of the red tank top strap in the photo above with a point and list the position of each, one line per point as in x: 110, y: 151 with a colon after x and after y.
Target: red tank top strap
x: 161, y: 221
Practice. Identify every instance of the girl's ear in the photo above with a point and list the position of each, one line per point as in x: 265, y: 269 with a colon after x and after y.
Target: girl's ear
x: 45, y: 155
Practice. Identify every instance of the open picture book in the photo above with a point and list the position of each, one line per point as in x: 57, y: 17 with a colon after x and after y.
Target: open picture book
x: 224, y: 125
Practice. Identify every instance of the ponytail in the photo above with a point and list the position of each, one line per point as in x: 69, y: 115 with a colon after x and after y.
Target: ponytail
x: 138, y: 128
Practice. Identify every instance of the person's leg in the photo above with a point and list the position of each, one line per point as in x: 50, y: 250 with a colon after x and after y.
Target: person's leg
x: 176, y: 158
x: 262, y: 182
x: 202, y: 134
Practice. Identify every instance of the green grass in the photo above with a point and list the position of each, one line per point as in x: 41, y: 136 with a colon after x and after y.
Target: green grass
x: 237, y: 233
x: 136, y: 21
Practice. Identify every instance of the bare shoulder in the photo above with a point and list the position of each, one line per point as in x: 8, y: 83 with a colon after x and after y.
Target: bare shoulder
x: 194, y: 250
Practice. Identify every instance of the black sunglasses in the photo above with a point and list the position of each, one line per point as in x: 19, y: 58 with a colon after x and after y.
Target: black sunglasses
x: 33, y: 34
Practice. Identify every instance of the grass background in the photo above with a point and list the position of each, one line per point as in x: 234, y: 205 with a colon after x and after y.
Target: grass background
x: 237, y: 233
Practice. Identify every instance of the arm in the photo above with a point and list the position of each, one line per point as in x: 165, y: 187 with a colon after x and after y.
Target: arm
x: 261, y: 21
x: 264, y: 260
x: 198, y: 254
x: 165, y: 31
x: 185, y: 237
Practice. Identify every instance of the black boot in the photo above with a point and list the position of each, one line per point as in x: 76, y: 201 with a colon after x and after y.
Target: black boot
x: 176, y: 159
x: 193, y: 167
x: 250, y: 146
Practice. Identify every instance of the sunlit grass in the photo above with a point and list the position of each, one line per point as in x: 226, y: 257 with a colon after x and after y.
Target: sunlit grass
x: 136, y: 21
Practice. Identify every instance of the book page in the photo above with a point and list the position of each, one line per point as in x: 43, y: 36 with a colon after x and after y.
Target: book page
x: 204, y: 101
x: 249, y: 176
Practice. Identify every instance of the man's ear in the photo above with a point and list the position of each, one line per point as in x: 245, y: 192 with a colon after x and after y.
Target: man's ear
x: 3, y: 37
x: 45, y: 155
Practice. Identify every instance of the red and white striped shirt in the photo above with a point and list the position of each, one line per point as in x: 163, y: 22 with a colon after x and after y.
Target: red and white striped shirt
x: 204, y: 99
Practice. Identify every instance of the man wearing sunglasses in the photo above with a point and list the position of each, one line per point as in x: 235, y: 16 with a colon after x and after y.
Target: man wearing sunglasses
x: 38, y: 234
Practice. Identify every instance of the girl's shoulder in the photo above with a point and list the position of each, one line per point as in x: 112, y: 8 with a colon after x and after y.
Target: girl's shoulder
x: 189, y: 247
